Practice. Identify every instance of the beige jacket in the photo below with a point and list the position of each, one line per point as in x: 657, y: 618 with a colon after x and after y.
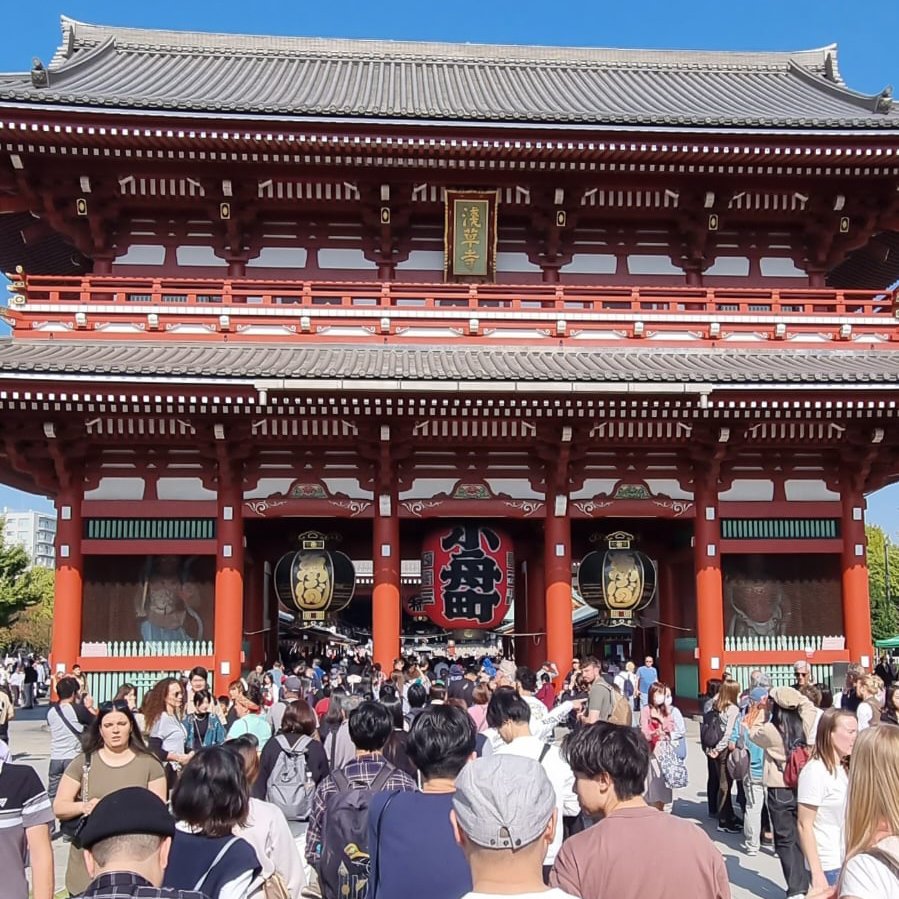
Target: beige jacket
x: 766, y: 735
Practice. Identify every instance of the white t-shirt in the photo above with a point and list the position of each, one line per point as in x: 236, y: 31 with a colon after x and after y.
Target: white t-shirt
x: 827, y: 792
x: 549, y: 894
x: 560, y: 776
x: 864, y: 715
x: 538, y: 713
x: 867, y: 878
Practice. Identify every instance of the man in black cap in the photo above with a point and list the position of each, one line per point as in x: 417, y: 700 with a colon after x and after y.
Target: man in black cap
x: 126, y: 841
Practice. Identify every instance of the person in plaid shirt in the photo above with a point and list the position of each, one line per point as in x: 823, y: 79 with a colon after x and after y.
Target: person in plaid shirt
x: 370, y: 728
x: 127, y: 839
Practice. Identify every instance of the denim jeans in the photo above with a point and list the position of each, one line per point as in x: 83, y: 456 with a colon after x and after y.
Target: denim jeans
x: 57, y: 769
x: 752, y: 821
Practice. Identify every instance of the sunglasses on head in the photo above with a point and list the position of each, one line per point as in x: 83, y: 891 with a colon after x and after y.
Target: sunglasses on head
x: 115, y: 705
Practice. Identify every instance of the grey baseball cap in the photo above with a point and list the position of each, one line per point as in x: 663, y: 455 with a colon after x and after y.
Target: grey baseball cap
x: 503, y: 801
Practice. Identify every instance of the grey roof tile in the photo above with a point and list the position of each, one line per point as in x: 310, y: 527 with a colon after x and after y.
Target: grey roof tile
x: 99, y: 66
x: 124, y: 361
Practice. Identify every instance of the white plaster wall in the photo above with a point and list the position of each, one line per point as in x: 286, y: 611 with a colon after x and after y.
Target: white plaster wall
x: 183, y: 488
x: 515, y: 262
x: 117, y: 488
x: 425, y: 488
x: 592, y: 486
x: 198, y: 256
x: 810, y: 491
x: 268, y: 486
x: 519, y: 488
x: 729, y: 266
x: 670, y: 488
x: 780, y: 267
x: 422, y: 261
x: 142, y: 254
x: 591, y: 264
x: 749, y: 491
x: 279, y: 257
x: 349, y: 486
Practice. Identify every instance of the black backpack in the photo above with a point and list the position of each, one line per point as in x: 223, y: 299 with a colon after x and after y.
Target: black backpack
x: 345, y: 864
x: 711, y: 731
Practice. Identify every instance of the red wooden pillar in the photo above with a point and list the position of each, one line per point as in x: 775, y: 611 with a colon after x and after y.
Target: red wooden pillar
x: 254, y: 623
x: 557, y: 562
x: 229, y: 582
x: 385, y: 598
x: 856, y: 601
x: 667, y: 613
x: 69, y: 588
x: 709, y: 593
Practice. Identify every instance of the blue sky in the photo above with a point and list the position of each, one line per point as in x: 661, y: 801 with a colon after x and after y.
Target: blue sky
x: 865, y: 31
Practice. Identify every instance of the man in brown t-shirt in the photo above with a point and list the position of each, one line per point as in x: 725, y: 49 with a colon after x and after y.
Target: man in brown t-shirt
x: 610, y: 765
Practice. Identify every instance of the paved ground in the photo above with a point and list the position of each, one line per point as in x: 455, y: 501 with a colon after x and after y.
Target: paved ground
x: 749, y: 877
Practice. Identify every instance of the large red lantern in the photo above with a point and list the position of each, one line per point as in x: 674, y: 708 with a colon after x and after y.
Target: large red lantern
x: 618, y: 582
x: 467, y: 577
x: 315, y: 582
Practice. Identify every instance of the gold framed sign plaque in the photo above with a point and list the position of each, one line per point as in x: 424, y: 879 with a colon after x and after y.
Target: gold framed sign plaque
x: 470, y: 235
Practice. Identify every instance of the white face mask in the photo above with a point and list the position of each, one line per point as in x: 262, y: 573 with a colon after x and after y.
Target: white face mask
x: 659, y: 701
x: 669, y: 702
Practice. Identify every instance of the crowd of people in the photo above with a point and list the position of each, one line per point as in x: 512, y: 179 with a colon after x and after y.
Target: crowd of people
x: 798, y: 763
x: 453, y: 778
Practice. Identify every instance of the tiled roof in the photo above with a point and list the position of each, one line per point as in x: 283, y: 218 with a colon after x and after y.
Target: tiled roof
x: 331, y: 363
x: 122, y: 68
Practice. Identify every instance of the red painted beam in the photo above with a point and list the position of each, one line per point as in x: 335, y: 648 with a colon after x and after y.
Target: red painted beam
x: 143, y: 663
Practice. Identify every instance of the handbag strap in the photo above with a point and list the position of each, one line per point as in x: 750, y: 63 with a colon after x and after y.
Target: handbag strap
x: 215, y: 861
x: 85, y: 775
x: 885, y: 859
x: 333, y: 744
x: 66, y: 722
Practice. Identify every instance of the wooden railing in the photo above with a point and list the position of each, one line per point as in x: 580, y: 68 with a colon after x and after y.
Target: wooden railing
x: 118, y: 649
x: 779, y: 643
x: 209, y: 309
x: 783, y: 675
x: 103, y: 685
x: 556, y: 299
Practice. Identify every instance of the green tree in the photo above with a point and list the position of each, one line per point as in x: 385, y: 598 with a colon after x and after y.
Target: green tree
x: 884, y: 603
x: 20, y: 585
x: 33, y: 626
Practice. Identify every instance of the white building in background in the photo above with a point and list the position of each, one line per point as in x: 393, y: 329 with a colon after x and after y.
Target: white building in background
x: 35, y: 531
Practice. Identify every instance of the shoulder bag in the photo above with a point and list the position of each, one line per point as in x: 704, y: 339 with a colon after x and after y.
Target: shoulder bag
x: 674, y: 771
x: 72, y: 827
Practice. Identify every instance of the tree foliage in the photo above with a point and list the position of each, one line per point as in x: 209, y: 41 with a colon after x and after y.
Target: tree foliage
x: 33, y: 626
x: 20, y: 586
x: 884, y: 604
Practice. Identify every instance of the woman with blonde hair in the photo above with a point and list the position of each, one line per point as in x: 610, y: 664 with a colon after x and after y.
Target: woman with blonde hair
x: 821, y: 795
x: 871, y: 870
x: 869, y: 709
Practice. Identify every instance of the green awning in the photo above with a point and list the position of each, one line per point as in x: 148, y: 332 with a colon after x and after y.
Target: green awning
x: 889, y: 643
